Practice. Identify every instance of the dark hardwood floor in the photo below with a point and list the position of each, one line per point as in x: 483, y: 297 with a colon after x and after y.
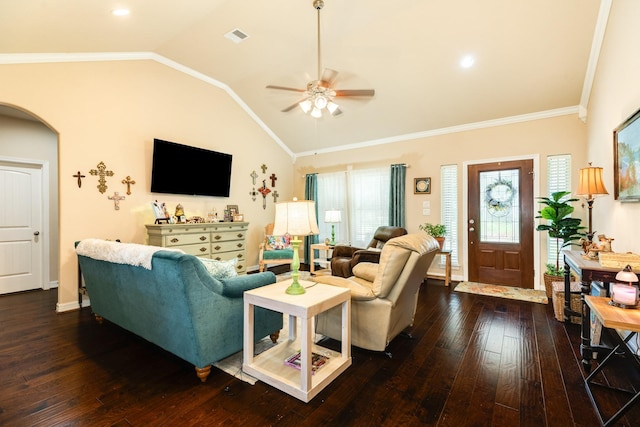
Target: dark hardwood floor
x: 473, y: 361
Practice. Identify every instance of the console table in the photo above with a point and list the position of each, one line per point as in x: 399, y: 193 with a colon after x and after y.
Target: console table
x: 217, y: 240
x: 614, y: 318
x: 447, y: 268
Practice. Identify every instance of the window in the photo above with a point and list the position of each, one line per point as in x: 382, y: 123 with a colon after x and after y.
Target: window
x: 449, y: 209
x: 362, y: 196
x: 558, y: 179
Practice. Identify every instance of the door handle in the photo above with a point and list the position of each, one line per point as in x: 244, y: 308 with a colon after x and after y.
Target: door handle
x: 472, y: 229
x: 36, y: 233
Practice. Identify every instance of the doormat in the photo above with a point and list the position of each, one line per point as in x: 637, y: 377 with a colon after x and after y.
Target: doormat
x: 500, y: 291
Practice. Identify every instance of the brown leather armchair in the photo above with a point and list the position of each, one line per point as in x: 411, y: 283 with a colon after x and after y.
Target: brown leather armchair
x: 344, y: 258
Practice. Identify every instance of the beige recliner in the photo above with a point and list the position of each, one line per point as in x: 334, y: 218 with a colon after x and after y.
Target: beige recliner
x: 384, y: 296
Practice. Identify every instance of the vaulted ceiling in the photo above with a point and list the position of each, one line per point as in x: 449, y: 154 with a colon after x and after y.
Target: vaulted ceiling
x: 531, y: 56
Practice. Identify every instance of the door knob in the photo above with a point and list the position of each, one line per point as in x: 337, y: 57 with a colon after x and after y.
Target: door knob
x: 36, y: 233
x: 472, y: 229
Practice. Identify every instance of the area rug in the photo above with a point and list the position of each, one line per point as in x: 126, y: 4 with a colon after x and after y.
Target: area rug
x: 508, y: 292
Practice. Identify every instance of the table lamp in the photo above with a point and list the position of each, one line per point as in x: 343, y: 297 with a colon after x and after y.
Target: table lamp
x: 591, y: 184
x: 332, y: 217
x: 623, y: 295
x: 297, y: 219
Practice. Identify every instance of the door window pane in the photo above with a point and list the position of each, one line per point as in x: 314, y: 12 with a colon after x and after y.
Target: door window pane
x: 499, y: 206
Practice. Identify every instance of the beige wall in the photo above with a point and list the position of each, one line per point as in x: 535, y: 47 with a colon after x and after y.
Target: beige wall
x: 32, y: 140
x: 559, y: 135
x: 110, y: 112
x: 615, y: 96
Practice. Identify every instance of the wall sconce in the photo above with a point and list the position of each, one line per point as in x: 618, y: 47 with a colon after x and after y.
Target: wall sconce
x: 625, y: 295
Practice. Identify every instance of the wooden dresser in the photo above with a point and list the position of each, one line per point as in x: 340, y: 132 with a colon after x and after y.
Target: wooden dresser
x: 221, y: 240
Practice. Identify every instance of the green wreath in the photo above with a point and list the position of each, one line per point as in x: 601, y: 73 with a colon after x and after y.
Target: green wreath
x: 502, y: 203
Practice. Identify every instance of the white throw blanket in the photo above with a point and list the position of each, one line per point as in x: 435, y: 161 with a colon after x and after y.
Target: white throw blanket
x: 120, y: 253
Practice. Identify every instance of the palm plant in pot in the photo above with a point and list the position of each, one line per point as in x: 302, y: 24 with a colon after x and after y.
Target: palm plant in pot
x: 438, y: 231
x: 560, y: 226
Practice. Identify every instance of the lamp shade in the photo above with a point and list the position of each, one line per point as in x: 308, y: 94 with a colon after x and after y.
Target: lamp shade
x: 332, y: 216
x: 296, y: 218
x: 591, y: 182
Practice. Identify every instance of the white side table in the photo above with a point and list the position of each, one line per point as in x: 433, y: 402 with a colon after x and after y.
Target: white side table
x: 324, y: 261
x: 269, y: 366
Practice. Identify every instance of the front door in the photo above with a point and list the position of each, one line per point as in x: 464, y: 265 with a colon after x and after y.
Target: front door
x: 20, y: 225
x: 500, y: 228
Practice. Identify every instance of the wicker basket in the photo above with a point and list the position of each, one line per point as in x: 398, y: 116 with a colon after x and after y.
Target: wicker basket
x: 558, y: 301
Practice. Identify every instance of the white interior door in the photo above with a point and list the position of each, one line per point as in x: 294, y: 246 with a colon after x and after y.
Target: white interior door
x: 21, y: 210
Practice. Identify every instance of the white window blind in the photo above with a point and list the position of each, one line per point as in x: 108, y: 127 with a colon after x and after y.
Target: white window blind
x: 332, y: 195
x: 449, y: 209
x: 558, y: 179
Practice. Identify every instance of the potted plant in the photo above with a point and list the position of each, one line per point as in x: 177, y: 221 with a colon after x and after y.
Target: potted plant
x: 438, y: 231
x: 560, y: 226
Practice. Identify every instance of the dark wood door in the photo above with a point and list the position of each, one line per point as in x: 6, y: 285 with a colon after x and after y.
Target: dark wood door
x: 500, y: 228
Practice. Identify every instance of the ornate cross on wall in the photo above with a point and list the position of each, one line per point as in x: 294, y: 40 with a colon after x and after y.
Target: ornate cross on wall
x: 116, y: 200
x: 275, y: 196
x: 128, y: 181
x: 79, y: 176
x: 264, y: 168
x: 273, y: 179
x: 101, y: 172
x: 253, y: 176
x: 253, y: 193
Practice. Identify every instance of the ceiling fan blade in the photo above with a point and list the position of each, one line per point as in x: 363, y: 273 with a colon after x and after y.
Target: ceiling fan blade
x: 329, y: 76
x: 285, y: 88
x: 355, y: 92
x: 292, y: 106
x: 337, y: 112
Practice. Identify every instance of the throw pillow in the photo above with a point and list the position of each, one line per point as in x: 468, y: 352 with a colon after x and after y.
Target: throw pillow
x: 278, y: 242
x: 220, y: 269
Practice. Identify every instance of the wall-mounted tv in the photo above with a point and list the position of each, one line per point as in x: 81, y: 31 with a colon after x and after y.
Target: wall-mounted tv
x: 181, y: 169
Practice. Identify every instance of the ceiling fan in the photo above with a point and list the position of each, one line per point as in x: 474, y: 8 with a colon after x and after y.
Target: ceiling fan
x: 320, y: 94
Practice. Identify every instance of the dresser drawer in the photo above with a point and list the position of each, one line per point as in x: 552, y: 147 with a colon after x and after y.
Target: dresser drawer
x: 222, y: 236
x: 197, y: 250
x: 187, y: 239
x: 226, y: 246
x: 241, y: 266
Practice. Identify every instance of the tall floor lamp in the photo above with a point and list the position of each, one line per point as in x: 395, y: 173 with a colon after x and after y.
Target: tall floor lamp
x: 296, y: 219
x: 332, y: 217
x: 590, y: 185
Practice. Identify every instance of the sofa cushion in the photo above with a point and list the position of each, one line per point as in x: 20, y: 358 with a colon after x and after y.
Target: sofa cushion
x: 392, y: 262
x: 220, y: 269
x: 366, y: 271
x: 278, y: 242
x: 360, y: 288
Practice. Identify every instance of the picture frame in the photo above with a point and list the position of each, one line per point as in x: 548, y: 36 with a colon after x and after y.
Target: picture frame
x: 626, y: 154
x: 422, y: 185
x: 238, y: 217
x: 233, y: 209
x: 160, y: 212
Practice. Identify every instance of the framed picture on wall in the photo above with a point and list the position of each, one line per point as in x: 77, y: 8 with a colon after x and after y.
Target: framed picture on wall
x: 421, y: 185
x: 626, y: 160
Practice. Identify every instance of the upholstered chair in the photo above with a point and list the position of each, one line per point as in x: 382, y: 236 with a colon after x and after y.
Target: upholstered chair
x: 344, y: 258
x: 384, y: 296
x: 275, y: 250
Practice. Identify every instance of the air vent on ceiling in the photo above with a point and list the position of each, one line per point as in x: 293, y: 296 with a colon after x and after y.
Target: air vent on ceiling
x: 237, y: 35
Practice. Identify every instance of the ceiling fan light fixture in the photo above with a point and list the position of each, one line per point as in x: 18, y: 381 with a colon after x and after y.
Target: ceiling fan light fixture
x: 305, y: 106
x: 332, y: 107
x: 320, y: 102
x: 316, y: 113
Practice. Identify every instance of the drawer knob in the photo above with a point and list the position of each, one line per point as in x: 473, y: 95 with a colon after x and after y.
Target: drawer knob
x: 218, y: 237
x: 240, y: 245
x: 217, y: 248
x: 240, y: 235
x: 239, y: 267
x: 218, y: 259
x: 175, y: 240
x: 203, y: 249
x: 239, y: 256
x: 203, y: 238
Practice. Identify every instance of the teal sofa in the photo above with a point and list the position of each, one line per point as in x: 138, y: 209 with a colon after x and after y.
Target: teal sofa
x: 176, y: 304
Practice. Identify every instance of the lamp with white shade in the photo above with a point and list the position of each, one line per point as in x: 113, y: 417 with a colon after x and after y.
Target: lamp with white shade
x: 625, y: 295
x: 296, y: 218
x: 332, y: 217
x: 591, y: 184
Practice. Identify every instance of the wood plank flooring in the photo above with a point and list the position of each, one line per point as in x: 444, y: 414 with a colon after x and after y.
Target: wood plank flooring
x: 473, y: 361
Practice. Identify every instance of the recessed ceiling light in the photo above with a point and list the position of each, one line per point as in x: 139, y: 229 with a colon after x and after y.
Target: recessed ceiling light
x: 120, y: 12
x: 467, y: 61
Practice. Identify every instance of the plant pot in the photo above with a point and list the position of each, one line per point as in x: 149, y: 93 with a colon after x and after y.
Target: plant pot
x: 548, y: 282
x: 440, y: 242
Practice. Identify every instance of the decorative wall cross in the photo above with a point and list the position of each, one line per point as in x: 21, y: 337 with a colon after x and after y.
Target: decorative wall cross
x: 253, y: 176
x: 253, y: 193
x: 116, y: 200
x: 273, y: 179
x: 128, y: 181
x: 264, y: 168
x: 275, y: 196
x: 79, y: 176
x: 264, y: 191
x: 101, y: 172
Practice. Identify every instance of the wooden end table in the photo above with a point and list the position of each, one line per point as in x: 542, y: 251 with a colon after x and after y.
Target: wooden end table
x: 608, y: 316
x: 447, y: 270
x: 269, y: 366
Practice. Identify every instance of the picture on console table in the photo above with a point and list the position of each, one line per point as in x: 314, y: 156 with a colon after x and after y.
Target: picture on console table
x: 626, y: 160
x: 160, y: 212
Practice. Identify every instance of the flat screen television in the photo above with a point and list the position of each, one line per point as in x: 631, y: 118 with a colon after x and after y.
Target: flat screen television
x: 181, y: 169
